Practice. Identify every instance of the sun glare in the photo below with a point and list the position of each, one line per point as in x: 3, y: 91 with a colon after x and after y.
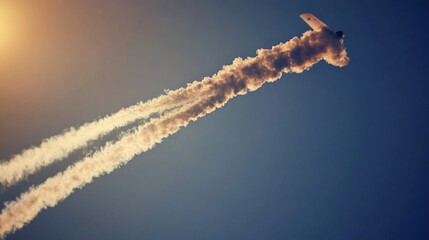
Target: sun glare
x: 3, y: 26
x: 7, y: 27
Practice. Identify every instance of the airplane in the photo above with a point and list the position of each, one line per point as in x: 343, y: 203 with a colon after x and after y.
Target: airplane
x: 318, y: 25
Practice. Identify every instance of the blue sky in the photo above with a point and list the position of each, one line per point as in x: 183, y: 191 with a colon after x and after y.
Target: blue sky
x: 332, y: 153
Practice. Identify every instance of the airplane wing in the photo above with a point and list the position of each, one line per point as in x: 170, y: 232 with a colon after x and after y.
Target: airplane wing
x: 313, y: 21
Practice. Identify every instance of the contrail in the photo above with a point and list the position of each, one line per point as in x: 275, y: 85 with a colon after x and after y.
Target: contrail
x: 58, y: 147
x: 238, y: 78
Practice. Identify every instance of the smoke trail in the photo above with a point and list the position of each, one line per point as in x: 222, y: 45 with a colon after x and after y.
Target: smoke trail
x: 238, y: 78
x: 59, y: 147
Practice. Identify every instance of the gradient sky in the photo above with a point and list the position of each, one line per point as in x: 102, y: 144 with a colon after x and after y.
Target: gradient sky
x: 327, y: 154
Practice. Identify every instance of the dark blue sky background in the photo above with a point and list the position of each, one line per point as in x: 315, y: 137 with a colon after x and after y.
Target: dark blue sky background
x: 332, y: 153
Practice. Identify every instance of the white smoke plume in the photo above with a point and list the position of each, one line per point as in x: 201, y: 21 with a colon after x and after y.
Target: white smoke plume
x: 241, y: 76
x: 58, y: 147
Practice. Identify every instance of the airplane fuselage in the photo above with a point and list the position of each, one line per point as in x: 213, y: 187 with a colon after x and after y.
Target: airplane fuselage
x: 317, y: 25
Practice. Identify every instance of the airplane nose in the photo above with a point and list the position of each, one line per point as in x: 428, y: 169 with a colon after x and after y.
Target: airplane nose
x: 339, y: 34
